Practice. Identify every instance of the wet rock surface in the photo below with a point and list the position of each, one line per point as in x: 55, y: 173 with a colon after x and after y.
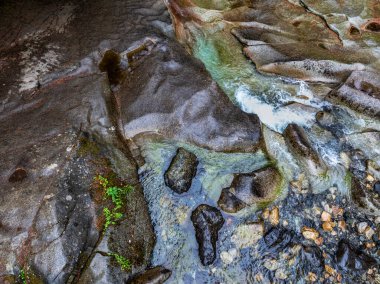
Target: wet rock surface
x: 288, y: 148
x: 207, y: 222
x: 156, y: 275
x: 181, y: 171
x: 247, y: 189
x: 351, y: 259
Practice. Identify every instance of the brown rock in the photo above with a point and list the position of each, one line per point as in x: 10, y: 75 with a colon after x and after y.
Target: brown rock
x: 274, y: 217
x: 342, y: 225
x: 310, y: 233
x: 328, y: 226
x: 330, y: 270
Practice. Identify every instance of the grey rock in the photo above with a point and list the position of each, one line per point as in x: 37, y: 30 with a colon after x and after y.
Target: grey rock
x: 155, y: 275
x: 351, y: 259
x: 247, y: 189
x: 181, y: 171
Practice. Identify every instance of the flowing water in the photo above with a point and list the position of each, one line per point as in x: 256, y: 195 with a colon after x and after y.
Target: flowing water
x: 278, y: 102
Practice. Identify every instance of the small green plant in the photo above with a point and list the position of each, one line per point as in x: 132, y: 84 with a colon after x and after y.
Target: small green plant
x: 124, y: 263
x: 111, y: 217
x: 116, y: 194
x: 22, y: 276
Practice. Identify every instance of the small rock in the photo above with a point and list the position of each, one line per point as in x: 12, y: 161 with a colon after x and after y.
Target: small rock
x: 156, y: 275
x: 330, y: 270
x: 229, y: 203
x: 181, y: 171
x: 310, y: 233
x: 362, y: 226
x: 228, y: 256
x: 342, y: 225
x: 328, y: 226
x: 369, y: 232
x: 370, y: 178
x: 247, y: 235
x: 271, y: 264
x: 265, y: 214
x: 207, y: 222
x: 337, y: 211
x: 274, y: 217
x: 281, y: 274
x: 312, y: 277
x: 376, y: 187
x: 326, y: 217
x: 319, y: 241
x: 370, y: 245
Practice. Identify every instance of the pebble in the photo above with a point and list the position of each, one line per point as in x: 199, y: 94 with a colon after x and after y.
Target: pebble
x: 342, y: 225
x: 281, y: 274
x: 330, y: 270
x: 312, y: 277
x: 228, y: 256
x: 337, y: 211
x: 369, y: 232
x: 319, y: 241
x: 326, y: 217
x: 265, y: 214
x: 328, y: 226
x: 310, y: 233
x: 274, y: 217
x: 362, y: 227
x: 370, y: 178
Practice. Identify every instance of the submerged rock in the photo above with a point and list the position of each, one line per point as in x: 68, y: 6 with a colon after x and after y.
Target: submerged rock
x: 298, y: 142
x: 155, y: 275
x: 351, y: 259
x: 276, y: 239
x: 356, y: 100
x: 207, y: 222
x: 229, y: 203
x: 181, y: 171
x: 247, y: 189
x: 247, y: 235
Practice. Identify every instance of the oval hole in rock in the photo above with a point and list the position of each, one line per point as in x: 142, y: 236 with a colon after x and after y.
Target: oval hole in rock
x: 18, y: 175
x: 373, y: 27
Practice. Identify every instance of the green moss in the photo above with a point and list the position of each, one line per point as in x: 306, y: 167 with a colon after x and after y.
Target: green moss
x: 87, y: 147
x: 348, y: 179
x: 124, y: 263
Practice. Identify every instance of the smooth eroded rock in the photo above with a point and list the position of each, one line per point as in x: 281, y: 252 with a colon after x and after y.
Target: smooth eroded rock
x: 299, y: 143
x: 181, y: 171
x: 247, y: 189
x: 207, y: 222
x: 155, y: 275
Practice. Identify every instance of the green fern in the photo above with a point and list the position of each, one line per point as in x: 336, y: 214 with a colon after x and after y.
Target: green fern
x: 117, y: 194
